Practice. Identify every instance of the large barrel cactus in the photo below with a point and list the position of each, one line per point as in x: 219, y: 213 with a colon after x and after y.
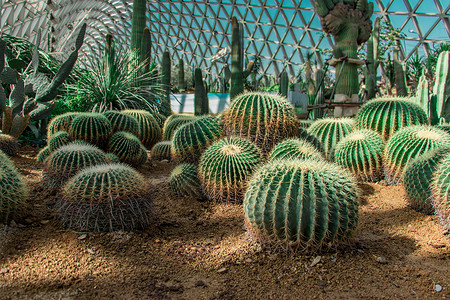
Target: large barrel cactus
x: 406, y: 145
x: 441, y: 192
x: 149, y: 129
x: 58, y: 139
x: 93, y: 128
x: 191, y: 139
x: 60, y: 122
x: 361, y: 153
x: 330, y: 131
x: 387, y: 115
x: 128, y: 148
x: 418, y: 177
x: 301, y: 203
x: 295, y: 148
x: 264, y: 119
x: 184, y: 181
x: 225, y: 167
x: 8, y: 144
x: 173, y: 122
x: 122, y: 122
x: 161, y: 151
x: 43, y: 154
x: 106, y: 197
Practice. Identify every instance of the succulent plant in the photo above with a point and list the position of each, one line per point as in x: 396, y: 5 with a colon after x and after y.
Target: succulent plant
x: 150, y: 132
x: 361, y: 153
x: 201, y: 101
x: 112, y: 158
x: 13, y: 191
x: 306, y: 123
x: 330, y: 131
x: 225, y: 167
x: 184, y: 181
x: 161, y: 151
x: 264, y: 119
x: 407, y: 144
x: 8, y: 144
x: 445, y: 127
x: 128, y: 148
x: 295, y: 149
x: 301, y: 204
x: 418, y: 177
x: 60, y: 123
x: 106, y: 197
x: 191, y: 139
x: 387, y: 115
x: 43, y: 154
x: 440, y: 191
x: 57, y: 140
x: 122, y: 122
x: 312, y: 139
x: 93, y: 128
x: 173, y: 122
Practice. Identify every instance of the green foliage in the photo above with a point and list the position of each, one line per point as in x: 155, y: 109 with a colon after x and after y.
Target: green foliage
x: 406, y: 145
x: 119, y: 200
x: 225, y: 167
x: 441, y: 191
x: 8, y: 144
x: 43, y: 154
x: 93, y: 128
x: 301, y: 204
x: 173, y: 122
x: 58, y: 139
x: 122, y: 122
x: 128, y: 148
x: 161, y: 151
x: 184, y: 181
x: 149, y: 130
x: 361, y: 153
x: 60, y: 123
x: 295, y: 149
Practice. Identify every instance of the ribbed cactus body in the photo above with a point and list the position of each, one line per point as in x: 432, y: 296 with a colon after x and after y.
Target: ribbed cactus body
x: 161, y: 151
x: 43, y: 154
x: 112, y: 158
x: 8, y: 144
x: 128, y: 148
x: 330, y: 131
x: 264, y: 119
x: 445, y: 127
x: 191, y: 139
x: 361, y: 153
x: 93, y: 128
x: 57, y: 140
x: 306, y: 123
x: 301, y: 203
x: 441, y: 191
x: 122, y: 122
x: 225, y: 167
x: 389, y: 114
x: 418, y: 177
x: 106, y: 197
x: 408, y: 144
x: 184, y: 181
x: 60, y: 122
x: 312, y: 139
x: 149, y: 130
x: 173, y: 122
x: 295, y: 149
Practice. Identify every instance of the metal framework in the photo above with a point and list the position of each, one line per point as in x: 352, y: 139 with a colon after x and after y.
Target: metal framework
x: 280, y: 32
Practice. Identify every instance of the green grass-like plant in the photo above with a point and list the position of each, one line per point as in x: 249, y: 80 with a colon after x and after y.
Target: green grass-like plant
x: 184, y: 181
x: 8, y: 144
x: 128, y: 148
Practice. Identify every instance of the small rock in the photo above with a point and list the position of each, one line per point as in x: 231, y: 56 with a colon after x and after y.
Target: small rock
x: 13, y: 224
x: 4, y: 271
x: 82, y: 237
x: 157, y: 241
x: 43, y: 222
x: 382, y: 260
x: 200, y: 283
x: 91, y: 251
x: 222, y: 270
x: 28, y: 221
x: 437, y: 288
x: 322, y: 283
x: 249, y: 260
x: 316, y: 261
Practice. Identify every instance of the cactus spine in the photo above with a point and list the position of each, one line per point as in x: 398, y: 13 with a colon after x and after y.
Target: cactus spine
x: 184, y: 181
x: 57, y: 140
x: 173, y: 122
x: 319, y: 94
x: 93, y: 128
x: 200, y: 96
x: 122, y: 122
x: 43, y: 154
x: 138, y: 22
x: 422, y: 97
x: 400, y: 77
x: 60, y: 123
x: 149, y: 130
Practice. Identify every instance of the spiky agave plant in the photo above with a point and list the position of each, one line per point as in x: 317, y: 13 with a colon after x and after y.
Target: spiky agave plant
x: 184, y: 181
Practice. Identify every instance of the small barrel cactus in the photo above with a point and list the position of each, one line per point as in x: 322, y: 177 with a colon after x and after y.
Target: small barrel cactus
x: 128, y: 148
x: 264, y: 119
x: 122, y: 122
x: 225, y: 167
x: 60, y: 122
x: 441, y: 191
x: 57, y: 140
x: 361, y: 153
x: 93, y: 128
x: 149, y: 129
x: 301, y: 203
x: 161, y: 151
x: 43, y: 154
x: 191, y: 139
x: 112, y: 158
x: 330, y: 131
x: 106, y: 197
x: 13, y: 191
x: 406, y: 145
x: 173, y: 122
x: 184, y: 181
x: 418, y: 177
x: 8, y: 144
x: 295, y: 149
x: 387, y: 115
x: 306, y: 123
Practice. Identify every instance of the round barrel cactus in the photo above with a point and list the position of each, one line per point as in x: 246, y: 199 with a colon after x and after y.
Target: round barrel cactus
x: 43, y: 154
x: 445, y: 127
x: 418, y: 177
x: 149, y: 129
x: 305, y: 123
x: 57, y: 140
x: 301, y: 203
x: 8, y: 144
x: 161, y: 151
x: 93, y: 128
x: 173, y: 122
x: 122, y: 122
x: 225, y: 167
x: 13, y: 191
x: 330, y: 131
x: 60, y: 122
x: 406, y: 145
x: 264, y: 119
x: 184, y: 181
x: 191, y: 139
x: 304, y: 135
x: 128, y: 148
x: 295, y: 148
x: 441, y: 191
x: 361, y: 153
x: 387, y: 115
x: 106, y: 197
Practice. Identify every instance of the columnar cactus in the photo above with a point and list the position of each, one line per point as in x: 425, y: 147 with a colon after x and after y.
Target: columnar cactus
x: 225, y: 167
x: 301, y: 203
x: 8, y: 144
x: 284, y: 84
x: 119, y: 200
x: 122, y: 122
x: 361, y: 153
x: 295, y: 149
x: 191, y: 139
x: 128, y: 148
x: 43, y: 154
x: 149, y: 130
x: 184, y: 181
x: 264, y: 119
x: 166, y: 71
x: 60, y: 122
x: 161, y: 151
x: 439, y: 103
x: 418, y: 177
x: 441, y: 192
x: 389, y: 114
x: 201, y: 102
x: 372, y: 60
x: 57, y: 140
x: 173, y: 122
x: 181, y: 80
x: 330, y: 131
x: 407, y: 144
x: 93, y: 128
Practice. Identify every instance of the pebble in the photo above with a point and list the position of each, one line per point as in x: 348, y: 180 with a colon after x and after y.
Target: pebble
x: 222, y: 270
x: 248, y: 260
x: 437, y: 288
x: 43, y: 222
x: 200, y: 283
x: 316, y: 261
x: 91, y: 251
x: 82, y: 237
x: 382, y: 260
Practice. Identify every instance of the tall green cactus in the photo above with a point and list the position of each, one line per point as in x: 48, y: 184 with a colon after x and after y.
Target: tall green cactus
x: 284, y: 84
x: 181, y: 80
x: 318, y: 98
x: 138, y: 22
x: 146, y: 50
x: 400, y: 76
x: 166, y: 70
x: 201, y: 102
x: 440, y: 100
x: 372, y: 60
x: 422, y: 93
